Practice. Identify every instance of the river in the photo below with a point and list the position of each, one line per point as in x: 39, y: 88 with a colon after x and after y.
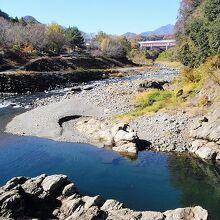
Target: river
x: 154, y: 181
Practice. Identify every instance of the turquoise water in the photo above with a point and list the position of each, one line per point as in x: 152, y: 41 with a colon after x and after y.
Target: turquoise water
x: 154, y: 181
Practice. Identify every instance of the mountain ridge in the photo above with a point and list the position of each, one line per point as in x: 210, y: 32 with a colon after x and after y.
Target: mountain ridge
x: 168, y: 29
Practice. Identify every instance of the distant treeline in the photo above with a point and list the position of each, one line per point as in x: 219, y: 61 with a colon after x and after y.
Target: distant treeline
x: 27, y: 36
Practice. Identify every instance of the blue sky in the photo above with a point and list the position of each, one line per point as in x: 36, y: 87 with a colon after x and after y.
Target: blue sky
x: 111, y: 16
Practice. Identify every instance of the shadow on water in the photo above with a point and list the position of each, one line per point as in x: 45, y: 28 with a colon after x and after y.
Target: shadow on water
x: 198, y: 181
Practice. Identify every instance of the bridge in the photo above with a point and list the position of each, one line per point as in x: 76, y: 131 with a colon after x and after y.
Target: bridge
x: 159, y: 43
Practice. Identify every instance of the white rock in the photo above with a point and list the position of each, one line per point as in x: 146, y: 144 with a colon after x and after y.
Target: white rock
x: 124, y: 136
x: 69, y: 189
x: 51, y: 183
x: 69, y: 206
x: 195, y: 213
x: 196, y: 145
x: 126, y: 148
x: 92, y: 201
x: 206, y: 153
x: 111, y: 205
x: 152, y: 216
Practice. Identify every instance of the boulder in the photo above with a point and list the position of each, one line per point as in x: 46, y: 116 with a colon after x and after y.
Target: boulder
x: 52, y: 183
x: 206, y: 135
x: 104, y: 132
x: 92, y: 213
x: 11, y: 204
x: 217, y: 156
x: 209, y: 129
x: 22, y: 202
x: 195, y: 145
x: 152, y: 85
x: 69, y: 190
x: 111, y: 204
x: 125, y: 135
x: 106, y: 137
x: 117, y: 127
x: 152, y: 216
x: 33, y: 185
x: 126, y: 148
x: 68, y: 207
x: 14, y: 182
x: 206, y: 153
x: 92, y: 201
x: 196, y: 213
x: 123, y: 214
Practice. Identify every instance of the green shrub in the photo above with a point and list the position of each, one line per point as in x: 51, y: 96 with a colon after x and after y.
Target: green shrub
x: 169, y: 55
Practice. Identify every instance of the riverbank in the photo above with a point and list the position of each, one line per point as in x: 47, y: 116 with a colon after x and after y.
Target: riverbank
x: 100, y: 100
x: 164, y: 131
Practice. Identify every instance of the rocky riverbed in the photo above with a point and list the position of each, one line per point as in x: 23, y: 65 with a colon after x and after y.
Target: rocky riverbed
x: 163, y: 131
x: 86, y: 114
x: 56, y: 197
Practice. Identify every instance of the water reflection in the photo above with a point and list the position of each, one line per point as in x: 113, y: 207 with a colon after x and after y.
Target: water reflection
x: 198, y: 181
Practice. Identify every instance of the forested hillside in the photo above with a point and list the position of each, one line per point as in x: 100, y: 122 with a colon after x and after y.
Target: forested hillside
x: 198, y: 31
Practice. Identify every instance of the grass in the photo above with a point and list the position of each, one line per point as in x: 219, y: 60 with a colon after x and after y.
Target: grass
x: 152, y: 101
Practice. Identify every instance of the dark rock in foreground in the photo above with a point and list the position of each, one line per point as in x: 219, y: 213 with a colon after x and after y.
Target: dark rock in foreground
x: 55, y: 197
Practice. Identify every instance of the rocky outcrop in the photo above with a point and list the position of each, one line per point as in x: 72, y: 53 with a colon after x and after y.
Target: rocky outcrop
x: 206, y: 137
x: 118, y: 136
x: 55, y: 197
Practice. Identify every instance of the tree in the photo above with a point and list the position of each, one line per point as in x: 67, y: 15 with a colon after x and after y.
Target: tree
x: 4, y: 15
x: 187, y: 7
x: 36, y: 36
x: 101, y: 36
x: 198, y: 31
x: 112, y: 48
x: 212, y: 9
x: 74, y: 38
x: 186, y: 55
x: 22, y: 21
x: 4, y: 27
x: 214, y: 37
x: 110, y: 45
x: 15, y: 20
x: 55, y: 37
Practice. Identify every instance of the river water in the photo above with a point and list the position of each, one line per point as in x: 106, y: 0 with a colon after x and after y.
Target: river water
x: 154, y: 181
